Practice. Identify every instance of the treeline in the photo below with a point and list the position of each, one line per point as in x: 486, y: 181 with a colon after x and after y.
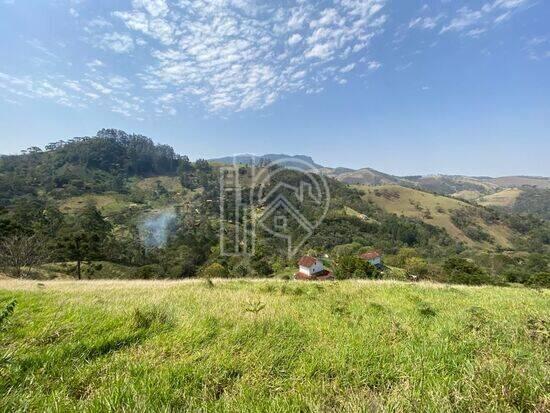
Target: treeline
x: 84, y: 164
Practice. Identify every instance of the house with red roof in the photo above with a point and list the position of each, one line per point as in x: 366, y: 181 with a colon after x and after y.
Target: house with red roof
x: 373, y: 257
x: 311, y: 268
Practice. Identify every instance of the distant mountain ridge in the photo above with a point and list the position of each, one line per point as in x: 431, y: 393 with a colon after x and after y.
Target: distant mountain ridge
x: 251, y: 159
x: 440, y: 183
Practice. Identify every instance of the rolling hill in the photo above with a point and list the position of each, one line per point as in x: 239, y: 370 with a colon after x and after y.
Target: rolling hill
x: 440, y: 211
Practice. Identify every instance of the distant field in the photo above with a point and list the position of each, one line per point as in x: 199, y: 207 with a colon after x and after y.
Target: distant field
x: 170, y: 183
x: 504, y: 198
x: 430, y: 208
x: 467, y: 194
x: 517, y: 181
x: 108, y: 204
x: 259, y: 346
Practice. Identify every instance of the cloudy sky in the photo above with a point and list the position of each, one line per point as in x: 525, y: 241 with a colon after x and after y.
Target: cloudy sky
x: 407, y: 87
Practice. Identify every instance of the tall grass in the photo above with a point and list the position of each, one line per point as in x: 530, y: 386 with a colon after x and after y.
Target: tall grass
x: 273, y: 346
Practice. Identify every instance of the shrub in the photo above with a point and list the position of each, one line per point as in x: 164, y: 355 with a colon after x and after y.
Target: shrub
x: 416, y: 266
x: 214, y: 270
x: 262, y: 267
x: 240, y: 270
x: 7, y: 311
x: 516, y: 276
x: 476, y: 233
x: 149, y: 271
x: 461, y: 271
x: 401, y: 257
x: 540, y: 280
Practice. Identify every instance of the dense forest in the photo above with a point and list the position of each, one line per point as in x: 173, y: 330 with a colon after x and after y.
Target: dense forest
x: 119, y: 205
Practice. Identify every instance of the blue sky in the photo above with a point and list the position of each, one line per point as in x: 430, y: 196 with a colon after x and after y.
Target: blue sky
x: 406, y: 87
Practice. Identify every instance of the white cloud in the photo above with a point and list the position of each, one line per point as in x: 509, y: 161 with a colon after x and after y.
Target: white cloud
x: 294, y: 39
x: 478, y: 21
x: 155, y: 8
x: 233, y: 55
x: 374, y: 65
x: 148, y: 24
x: 538, y: 48
x: 224, y: 55
x: 74, y: 93
x: 348, y: 68
x: 94, y: 64
x: 426, y: 22
x: 117, y: 42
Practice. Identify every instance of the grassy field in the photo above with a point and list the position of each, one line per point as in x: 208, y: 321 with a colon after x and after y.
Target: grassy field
x: 108, y: 204
x: 504, y: 198
x: 254, y: 346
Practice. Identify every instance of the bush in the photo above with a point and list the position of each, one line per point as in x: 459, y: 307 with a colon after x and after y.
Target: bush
x: 515, y: 276
x: 241, y: 270
x: 346, y: 249
x: 539, y: 280
x: 262, y: 267
x: 401, y: 257
x: 461, y: 271
x: 476, y: 233
x: 149, y: 271
x: 416, y: 266
x: 214, y: 270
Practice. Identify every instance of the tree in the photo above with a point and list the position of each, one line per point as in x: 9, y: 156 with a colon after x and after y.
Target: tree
x: 403, y: 255
x: 346, y: 249
x: 351, y: 266
x: 416, y: 266
x: 20, y: 253
x: 204, y: 174
x: 84, y: 237
x: 186, y: 172
x: 461, y: 271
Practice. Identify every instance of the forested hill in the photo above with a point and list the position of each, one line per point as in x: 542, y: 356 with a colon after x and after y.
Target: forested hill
x: 123, y: 206
x: 99, y: 163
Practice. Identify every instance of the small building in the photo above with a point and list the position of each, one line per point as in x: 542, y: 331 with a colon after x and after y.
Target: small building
x: 311, y: 268
x: 373, y: 257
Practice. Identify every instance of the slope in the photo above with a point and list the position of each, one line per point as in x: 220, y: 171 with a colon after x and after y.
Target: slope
x: 439, y: 211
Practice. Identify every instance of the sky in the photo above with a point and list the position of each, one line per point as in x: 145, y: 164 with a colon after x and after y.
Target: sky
x: 405, y: 87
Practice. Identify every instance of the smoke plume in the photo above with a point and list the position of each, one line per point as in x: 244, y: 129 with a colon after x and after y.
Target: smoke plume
x: 155, y: 228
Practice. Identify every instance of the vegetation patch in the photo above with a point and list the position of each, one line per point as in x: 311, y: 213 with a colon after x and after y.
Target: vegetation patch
x: 539, y: 329
x: 7, y: 311
x: 152, y: 316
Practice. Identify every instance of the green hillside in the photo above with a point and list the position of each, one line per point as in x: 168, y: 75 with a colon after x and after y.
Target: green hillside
x: 439, y: 210
x: 127, y: 203
x: 234, y: 346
